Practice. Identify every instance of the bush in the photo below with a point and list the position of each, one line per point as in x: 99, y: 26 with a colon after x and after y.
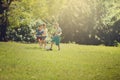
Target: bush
x: 23, y: 34
x: 116, y: 43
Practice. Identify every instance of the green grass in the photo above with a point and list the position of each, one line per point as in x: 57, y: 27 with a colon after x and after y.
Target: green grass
x: 74, y: 62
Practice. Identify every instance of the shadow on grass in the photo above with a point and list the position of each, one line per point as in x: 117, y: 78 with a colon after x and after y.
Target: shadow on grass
x: 34, y: 48
x: 40, y: 49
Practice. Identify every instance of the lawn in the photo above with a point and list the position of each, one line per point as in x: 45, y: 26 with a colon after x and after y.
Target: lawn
x: 20, y: 61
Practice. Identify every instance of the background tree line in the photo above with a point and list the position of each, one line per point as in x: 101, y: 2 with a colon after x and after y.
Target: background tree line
x: 82, y: 21
x: 91, y: 22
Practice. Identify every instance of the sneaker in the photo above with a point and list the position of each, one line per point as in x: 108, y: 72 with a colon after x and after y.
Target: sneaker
x: 50, y: 49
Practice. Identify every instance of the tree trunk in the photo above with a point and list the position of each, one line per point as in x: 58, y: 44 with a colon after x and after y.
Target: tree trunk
x: 3, y: 29
x: 4, y: 6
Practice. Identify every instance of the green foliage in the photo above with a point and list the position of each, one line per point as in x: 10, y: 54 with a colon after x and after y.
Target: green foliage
x: 78, y: 21
x: 91, y: 22
x: 108, y: 27
x: 116, y: 43
x: 25, y: 11
x: 19, y: 13
x: 31, y: 13
x: 23, y: 34
x: 84, y: 21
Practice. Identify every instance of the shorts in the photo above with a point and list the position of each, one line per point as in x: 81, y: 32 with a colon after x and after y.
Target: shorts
x: 56, y: 39
x: 39, y: 38
x: 44, y: 37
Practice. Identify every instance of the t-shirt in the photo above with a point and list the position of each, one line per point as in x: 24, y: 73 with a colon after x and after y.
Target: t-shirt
x: 45, y: 32
x: 58, y: 31
x: 39, y: 32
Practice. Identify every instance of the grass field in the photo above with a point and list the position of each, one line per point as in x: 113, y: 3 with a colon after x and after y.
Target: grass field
x: 74, y: 62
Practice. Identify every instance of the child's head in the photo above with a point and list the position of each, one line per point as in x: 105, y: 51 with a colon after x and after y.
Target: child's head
x: 40, y: 27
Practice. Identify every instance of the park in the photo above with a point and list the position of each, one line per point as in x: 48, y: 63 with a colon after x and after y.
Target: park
x: 89, y: 45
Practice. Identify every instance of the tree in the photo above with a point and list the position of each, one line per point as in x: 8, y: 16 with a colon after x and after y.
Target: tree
x: 107, y: 28
x: 30, y: 12
x: 23, y: 12
x: 78, y: 21
x: 4, y: 6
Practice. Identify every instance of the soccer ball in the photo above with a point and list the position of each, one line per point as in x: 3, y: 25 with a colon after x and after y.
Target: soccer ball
x: 47, y: 47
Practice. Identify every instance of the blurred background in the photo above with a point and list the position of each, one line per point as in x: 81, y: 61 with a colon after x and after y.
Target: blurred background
x: 91, y: 22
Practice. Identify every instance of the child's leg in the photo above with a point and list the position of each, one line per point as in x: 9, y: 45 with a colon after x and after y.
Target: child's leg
x: 52, y: 42
x: 39, y: 42
x: 58, y: 42
x: 52, y: 45
x: 44, y: 42
x: 59, y: 47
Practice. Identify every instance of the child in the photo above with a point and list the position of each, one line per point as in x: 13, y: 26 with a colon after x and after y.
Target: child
x: 56, y: 36
x: 44, y: 35
x: 39, y: 33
